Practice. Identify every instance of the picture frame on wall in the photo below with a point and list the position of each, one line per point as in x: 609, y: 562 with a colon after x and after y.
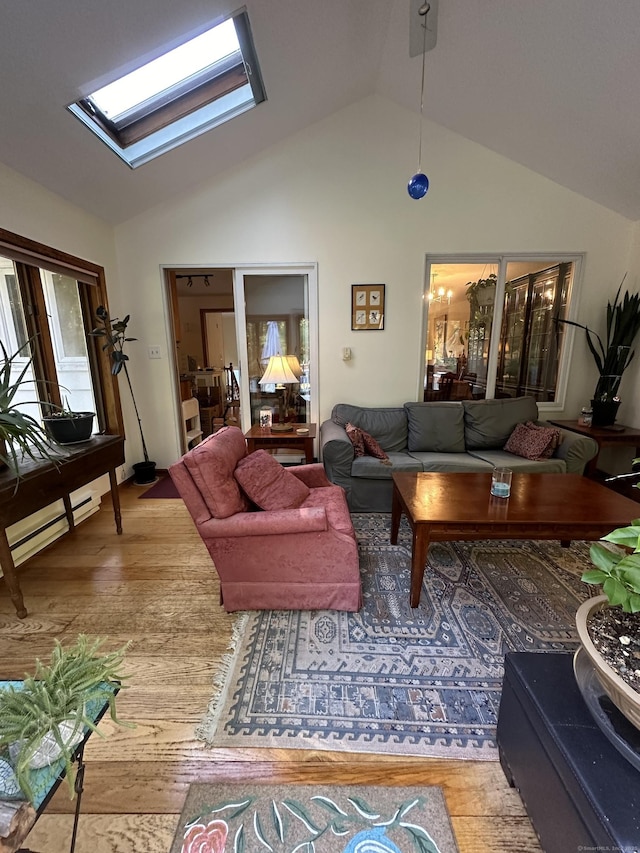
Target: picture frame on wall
x: 367, y: 307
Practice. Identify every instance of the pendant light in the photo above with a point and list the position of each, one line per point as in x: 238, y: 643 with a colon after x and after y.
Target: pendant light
x: 419, y: 183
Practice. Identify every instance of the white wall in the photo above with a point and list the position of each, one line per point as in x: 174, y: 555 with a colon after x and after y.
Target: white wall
x: 32, y: 211
x: 28, y: 209
x: 336, y: 194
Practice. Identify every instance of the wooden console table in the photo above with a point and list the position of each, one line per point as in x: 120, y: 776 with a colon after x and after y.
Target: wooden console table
x: 625, y: 437
x: 43, y: 483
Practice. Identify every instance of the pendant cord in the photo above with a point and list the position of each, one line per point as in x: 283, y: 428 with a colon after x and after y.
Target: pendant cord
x: 424, y: 53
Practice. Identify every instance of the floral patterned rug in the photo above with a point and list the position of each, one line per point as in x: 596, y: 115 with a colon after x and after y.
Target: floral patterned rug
x: 392, y: 679
x: 313, y: 818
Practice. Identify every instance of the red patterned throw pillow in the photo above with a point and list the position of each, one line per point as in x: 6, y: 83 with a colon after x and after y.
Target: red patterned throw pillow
x: 355, y: 436
x: 270, y: 486
x: 365, y: 444
x: 532, y: 441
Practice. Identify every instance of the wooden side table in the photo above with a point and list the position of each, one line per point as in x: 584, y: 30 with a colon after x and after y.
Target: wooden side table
x: 262, y: 438
x: 43, y: 483
x: 625, y: 437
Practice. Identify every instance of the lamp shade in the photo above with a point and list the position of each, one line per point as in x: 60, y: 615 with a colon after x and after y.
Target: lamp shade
x: 278, y: 372
x: 294, y: 364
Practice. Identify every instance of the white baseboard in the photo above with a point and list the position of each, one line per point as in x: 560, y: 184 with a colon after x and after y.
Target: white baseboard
x: 33, y: 533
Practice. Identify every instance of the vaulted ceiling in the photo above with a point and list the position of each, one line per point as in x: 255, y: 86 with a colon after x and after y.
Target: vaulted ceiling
x: 551, y: 84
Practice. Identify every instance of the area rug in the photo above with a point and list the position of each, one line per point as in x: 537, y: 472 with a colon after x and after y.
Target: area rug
x: 313, y: 819
x: 164, y: 488
x: 392, y: 679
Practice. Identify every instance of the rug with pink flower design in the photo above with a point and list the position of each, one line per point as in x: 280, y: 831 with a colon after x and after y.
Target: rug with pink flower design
x: 313, y: 819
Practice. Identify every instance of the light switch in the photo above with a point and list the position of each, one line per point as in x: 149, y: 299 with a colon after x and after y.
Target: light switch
x: 346, y: 353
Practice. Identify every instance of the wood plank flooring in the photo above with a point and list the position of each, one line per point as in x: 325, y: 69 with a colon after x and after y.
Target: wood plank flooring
x: 155, y: 586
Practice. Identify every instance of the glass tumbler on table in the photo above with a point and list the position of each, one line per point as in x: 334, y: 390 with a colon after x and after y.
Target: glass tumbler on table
x: 501, y: 482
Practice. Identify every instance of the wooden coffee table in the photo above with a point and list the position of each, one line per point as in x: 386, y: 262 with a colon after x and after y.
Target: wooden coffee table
x: 451, y: 507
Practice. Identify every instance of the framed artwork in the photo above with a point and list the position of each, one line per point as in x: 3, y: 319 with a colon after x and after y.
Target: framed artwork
x: 367, y: 307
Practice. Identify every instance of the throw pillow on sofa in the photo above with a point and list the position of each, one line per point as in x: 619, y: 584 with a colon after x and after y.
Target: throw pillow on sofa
x: 365, y: 444
x: 532, y: 441
x: 270, y: 486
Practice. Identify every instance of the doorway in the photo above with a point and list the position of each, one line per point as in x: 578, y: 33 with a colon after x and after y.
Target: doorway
x: 210, y: 334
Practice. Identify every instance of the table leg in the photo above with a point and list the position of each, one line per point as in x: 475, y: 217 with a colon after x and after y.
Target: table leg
x: 68, y: 509
x: 419, y: 550
x: 10, y: 577
x: 396, y: 514
x: 115, y: 499
x: 308, y: 450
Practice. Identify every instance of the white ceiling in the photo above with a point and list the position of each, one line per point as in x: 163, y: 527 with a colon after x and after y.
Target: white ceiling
x: 551, y: 84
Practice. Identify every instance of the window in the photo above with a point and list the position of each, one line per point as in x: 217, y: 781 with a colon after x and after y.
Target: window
x: 50, y: 298
x: 204, y: 82
x: 490, y: 327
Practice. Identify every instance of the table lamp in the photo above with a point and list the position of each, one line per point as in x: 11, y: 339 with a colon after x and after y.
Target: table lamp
x: 279, y: 373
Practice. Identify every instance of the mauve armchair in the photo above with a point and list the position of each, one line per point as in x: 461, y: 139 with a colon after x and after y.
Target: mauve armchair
x: 300, y: 553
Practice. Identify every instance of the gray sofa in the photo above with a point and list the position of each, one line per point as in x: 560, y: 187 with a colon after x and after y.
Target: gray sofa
x: 439, y: 436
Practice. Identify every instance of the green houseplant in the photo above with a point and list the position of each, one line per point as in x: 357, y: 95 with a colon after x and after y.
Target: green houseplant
x: 613, y: 355
x: 115, y: 332
x: 20, y: 434
x: 609, y: 625
x: 44, y: 721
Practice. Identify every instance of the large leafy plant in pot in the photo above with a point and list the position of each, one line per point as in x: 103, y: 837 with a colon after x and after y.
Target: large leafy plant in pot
x: 609, y: 625
x: 613, y: 355
x: 115, y: 332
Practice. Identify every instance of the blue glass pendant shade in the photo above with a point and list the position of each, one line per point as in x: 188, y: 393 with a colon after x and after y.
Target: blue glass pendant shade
x: 418, y: 185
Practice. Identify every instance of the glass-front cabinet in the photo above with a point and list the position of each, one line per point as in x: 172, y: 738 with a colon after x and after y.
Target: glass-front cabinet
x: 530, y: 338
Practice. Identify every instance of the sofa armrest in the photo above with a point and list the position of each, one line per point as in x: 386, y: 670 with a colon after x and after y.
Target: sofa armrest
x: 337, y: 451
x: 311, y: 475
x: 266, y: 523
x: 576, y: 450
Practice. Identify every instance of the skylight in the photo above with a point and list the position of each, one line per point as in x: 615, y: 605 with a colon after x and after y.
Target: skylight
x: 192, y: 88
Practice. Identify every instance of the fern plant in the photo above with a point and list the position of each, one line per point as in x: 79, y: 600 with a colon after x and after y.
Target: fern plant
x: 53, y: 703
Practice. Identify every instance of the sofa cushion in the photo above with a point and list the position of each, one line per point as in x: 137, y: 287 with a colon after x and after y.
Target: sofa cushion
x: 532, y: 441
x: 436, y: 427
x: 376, y: 469
x: 489, y: 423
x: 503, y: 459
x: 452, y: 463
x: 387, y: 425
x: 211, y: 465
x: 269, y: 485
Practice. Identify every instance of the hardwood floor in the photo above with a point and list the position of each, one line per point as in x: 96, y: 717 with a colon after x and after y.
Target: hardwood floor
x: 155, y: 585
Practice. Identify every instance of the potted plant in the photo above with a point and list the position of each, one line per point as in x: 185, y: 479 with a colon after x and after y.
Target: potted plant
x: 44, y: 721
x: 65, y: 426
x: 609, y: 624
x: 20, y: 434
x: 613, y: 355
x: 481, y: 294
x: 115, y: 332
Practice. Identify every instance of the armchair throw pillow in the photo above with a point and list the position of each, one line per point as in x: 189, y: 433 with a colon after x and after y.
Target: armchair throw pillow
x: 270, y: 486
x: 532, y: 441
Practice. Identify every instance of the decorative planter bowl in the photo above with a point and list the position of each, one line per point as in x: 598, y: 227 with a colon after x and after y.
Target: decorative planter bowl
x: 604, y: 413
x: 144, y: 473
x: 70, y: 430
x: 624, y: 697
